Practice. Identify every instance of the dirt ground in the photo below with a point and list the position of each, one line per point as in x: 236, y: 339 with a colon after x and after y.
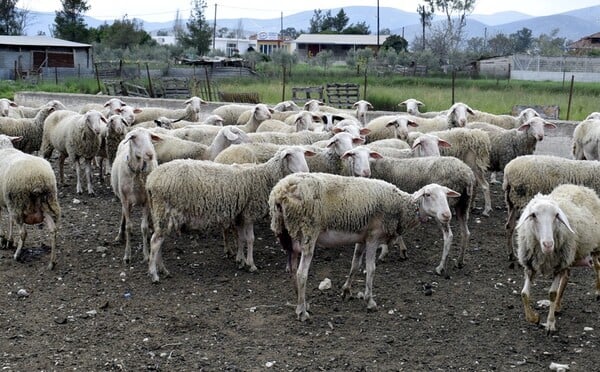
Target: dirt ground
x: 93, y: 313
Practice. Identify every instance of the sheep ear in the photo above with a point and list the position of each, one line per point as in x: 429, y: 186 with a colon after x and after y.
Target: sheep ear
x: 137, y: 110
x: 15, y: 139
x: 470, y: 111
x: 375, y: 155
x: 309, y: 153
x: 411, y: 123
x: 451, y: 193
x: 562, y: 217
x: 336, y: 117
x: 358, y: 140
x: 155, y: 138
x: 549, y: 125
x: 364, y: 131
x: 369, y: 105
x: 231, y: 136
x: 393, y: 122
x: 416, y: 143
x: 523, y: 127
x: 444, y: 143
x: 355, y: 105
x: 316, y: 118
x: 524, y: 216
x: 419, y: 103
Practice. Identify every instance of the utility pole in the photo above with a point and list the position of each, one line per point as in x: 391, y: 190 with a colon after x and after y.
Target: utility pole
x: 215, y: 27
x: 377, y: 26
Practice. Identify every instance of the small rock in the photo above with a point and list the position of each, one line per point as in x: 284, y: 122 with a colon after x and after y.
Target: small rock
x: 91, y: 312
x: 76, y: 201
x: 269, y: 364
x: 588, y: 329
x: 559, y: 367
x: 325, y: 284
x: 60, y: 320
x: 101, y: 249
x: 22, y: 293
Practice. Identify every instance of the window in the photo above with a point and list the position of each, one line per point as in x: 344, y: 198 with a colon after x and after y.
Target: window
x: 53, y: 59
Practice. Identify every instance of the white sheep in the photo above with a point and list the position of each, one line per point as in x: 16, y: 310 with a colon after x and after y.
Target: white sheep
x: 134, y: 161
x: 303, y: 120
x: 260, y: 113
x: 413, y: 105
x: 507, y: 144
x: 170, y: 148
x: 28, y: 193
x: 191, y: 112
x: 425, y: 145
x: 204, y: 134
x: 389, y: 126
x: 9, y: 109
x: 309, y: 209
x: 167, y: 123
x: 503, y: 121
x: 286, y: 106
x: 362, y: 107
x: 111, y: 136
x: 231, y: 113
x: 586, y: 138
x: 473, y: 147
x: 527, y: 175
x: 30, y: 129
x: 412, y: 174
x: 76, y: 136
x: 555, y: 232
x: 316, y: 105
x: 107, y: 109
x: 304, y: 137
x: 201, y: 194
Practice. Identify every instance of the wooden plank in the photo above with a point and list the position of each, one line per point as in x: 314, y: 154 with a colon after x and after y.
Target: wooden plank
x: 342, y: 95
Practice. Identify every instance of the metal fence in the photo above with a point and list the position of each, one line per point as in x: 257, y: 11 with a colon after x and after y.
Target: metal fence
x: 528, y: 67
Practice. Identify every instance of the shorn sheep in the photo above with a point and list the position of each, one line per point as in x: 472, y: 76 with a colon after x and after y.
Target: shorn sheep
x: 309, y: 209
x: 555, y: 232
x: 28, y: 193
x: 412, y: 174
x: 135, y: 159
x: 586, y: 139
x: 528, y: 175
x: 507, y: 144
x: 503, y: 121
x: 199, y: 194
x: 30, y: 130
x: 76, y: 136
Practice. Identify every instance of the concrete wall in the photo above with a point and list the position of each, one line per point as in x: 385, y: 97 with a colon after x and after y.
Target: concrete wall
x: 588, y: 77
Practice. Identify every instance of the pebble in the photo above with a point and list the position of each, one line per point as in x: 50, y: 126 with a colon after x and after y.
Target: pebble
x: 325, y: 284
x: 22, y: 293
x: 76, y: 201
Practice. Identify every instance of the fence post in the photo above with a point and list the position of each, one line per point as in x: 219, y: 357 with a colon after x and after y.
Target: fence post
x: 149, y: 81
x: 56, y: 75
x: 365, y: 87
x: 97, y: 77
x: 283, y: 84
x: 570, y: 97
x: 453, y: 79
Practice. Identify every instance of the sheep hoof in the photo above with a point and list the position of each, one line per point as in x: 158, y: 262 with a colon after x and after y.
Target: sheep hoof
x: 372, y: 305
x: 403, y: 255
x: 486, y: 213
x: 126, y: 260
x: 253, y: 268
x: 304, y: 316
x: 51, y: 265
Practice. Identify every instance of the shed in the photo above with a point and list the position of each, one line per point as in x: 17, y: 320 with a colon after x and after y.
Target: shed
x: 23, y: 56
x: 311, y: 44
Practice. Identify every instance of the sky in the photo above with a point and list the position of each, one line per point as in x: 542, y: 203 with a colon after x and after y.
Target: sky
x: 162, y: 11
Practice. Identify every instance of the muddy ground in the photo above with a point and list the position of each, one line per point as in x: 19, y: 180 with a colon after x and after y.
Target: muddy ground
x: 93, y: 313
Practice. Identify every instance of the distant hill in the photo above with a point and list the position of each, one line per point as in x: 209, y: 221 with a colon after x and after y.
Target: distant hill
x: 572, y: 25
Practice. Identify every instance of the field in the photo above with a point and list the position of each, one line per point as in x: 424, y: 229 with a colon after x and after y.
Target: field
x: 93, y: 313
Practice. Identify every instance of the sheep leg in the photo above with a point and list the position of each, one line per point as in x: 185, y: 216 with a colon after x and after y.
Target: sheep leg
x: 384, y: 252
x: 145, y: 226
x: 555, y: 298
x: 121, y: 234
x: 597, y: 270
x: 561, y: 289
x: 511, y: 220
x: 485, y: 188
x: 126, y: 222
x: 308, y: 249
x: 246, y: 238
x: 359, y: 249
x: 442, y: 268
x: 21, y: 242
x: 399, y: 241
x: 465, y: 234
x: 52, y: 230
x: 370, y: 254
x: 530, y: 314
x: 228, y: 241
x: 493, y: 178
x: 61, y: 168
x: 155, y: 258
x: 77, y: 166
x: 88, y: 176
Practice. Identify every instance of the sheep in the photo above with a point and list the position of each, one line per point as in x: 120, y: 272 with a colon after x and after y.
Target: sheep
x: 426, y: 145
x: 503, y: 121
x: 389, y: 126
x: 110, y: 138
x: 304, y: 137
x: 303, y: 120
x: 163, y: 122
x: 585, y: 139
x: 286, y: 106
x: 107, y: 109
x: 527, y: 175
x: 593, y: 115
x: 410, y: 175
x: 190, y: 113
x: 28, y: 193
x: 9, y: 109
x: 458, y: 115
x: 30, y: 130
x: 260, y: 113
x: 473, y: 147
x: 309, y: 209
x: 412, y: 108
x: 231, y: 112
x: 554, y: 233
x: 198, y: 194
x: 76, y: 136
x: 316, y: 105
x: 134, y: 161
x: 507, y: 144
x: 170, y: 148
x: 362, y: 107
x: 204, y: 134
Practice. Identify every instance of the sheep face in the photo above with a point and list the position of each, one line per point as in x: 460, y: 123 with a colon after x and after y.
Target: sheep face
x: 261, y: 112
x: 400, y: 125
x: 535, y: 127
x: 358, y: 160
x: 7, y: 142
x: 433, y: 202
x: 458, y: 113
x: 543, y: 216
x: 294, y: 158
x: 95, y: 121
x: 5, y: 105
x: 142, y: 156
x: 412, y: 106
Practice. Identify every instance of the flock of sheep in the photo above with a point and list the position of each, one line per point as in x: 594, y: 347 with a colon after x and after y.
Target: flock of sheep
x: 325, y: 176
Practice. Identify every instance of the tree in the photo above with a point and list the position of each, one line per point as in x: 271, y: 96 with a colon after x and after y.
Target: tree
x: 425, y: 17
x: 340, y: 21
x: 198, y: 35
x: 360, y: 28
x: 323, y: 58
x: 500, y: 45
x: 13, y: 21
x: 456, y: 12
x: 290, y: 32
x: 522, y: 40
x: 316, y: 22
x: 550, y: 45
x: 69, y: 23
x: 395, y: 42
x: 123, y: 34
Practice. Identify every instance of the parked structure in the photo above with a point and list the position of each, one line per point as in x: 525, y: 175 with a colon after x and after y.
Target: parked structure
x: 308, y: 45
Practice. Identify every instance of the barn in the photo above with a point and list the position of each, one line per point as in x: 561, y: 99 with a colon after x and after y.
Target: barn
x: 311, y: 44
x: 26, y: 56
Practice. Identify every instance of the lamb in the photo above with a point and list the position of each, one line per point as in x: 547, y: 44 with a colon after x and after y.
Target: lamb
x: 503, y: 121
x: 134, y: 161
x: 473, y: 147
x: 191, y: 111
x: 170, y: 148
x: 28, y: 193
x: 586, y: 139
x: 76, y: 136
x: 198, y: 194
x: 110, y: 138
x: 507, y: 144
x: 260, y: 113
x: 309, y: 209
x: 231, y: 112
x: 362, y: 107
x: 9, y: 109
x: 410, y: 175
x: 527, y: 175
x: 555, y: 232
x: 30, y: 130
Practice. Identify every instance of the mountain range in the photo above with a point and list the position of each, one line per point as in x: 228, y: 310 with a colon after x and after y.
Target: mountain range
x: 571, y: 25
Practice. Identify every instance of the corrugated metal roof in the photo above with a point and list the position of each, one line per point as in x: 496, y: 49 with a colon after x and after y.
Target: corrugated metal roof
x: 39, y: 41
x: 340, y: 39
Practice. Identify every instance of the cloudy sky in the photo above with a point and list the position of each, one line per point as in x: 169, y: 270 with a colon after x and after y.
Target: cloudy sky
x: 161, y: 10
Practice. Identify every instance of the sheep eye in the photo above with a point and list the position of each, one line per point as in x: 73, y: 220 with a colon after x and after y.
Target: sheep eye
x: 427, y: 194
x: 532, y: 215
